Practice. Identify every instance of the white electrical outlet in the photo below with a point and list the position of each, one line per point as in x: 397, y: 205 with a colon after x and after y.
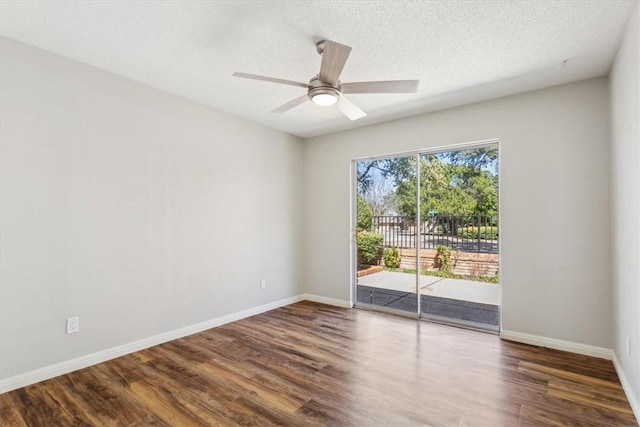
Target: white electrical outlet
x: 628, y: 345
x: 73, y: 325
x: 263, y: 283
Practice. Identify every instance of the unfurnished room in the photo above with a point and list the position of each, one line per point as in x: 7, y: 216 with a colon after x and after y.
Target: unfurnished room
x: 319, y: 213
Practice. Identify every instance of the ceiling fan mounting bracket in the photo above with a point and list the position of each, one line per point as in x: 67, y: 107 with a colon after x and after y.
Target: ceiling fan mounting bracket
x: 320, y: 47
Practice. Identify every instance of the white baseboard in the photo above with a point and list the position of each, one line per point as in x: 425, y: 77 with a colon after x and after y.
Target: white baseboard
x: 328, y: 301
x: 626, y: 386
x: 81, y: 362
x: 573, y: 347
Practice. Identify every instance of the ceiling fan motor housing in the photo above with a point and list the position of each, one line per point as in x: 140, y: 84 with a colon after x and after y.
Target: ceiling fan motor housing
x: 318, y: 87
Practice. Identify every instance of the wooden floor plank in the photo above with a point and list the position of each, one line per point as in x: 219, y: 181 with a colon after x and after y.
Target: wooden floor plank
x: 9, y: 413
x: 309, y: 364
x: 172, y: 405
x: 103, y: 396
x: 38, y: 407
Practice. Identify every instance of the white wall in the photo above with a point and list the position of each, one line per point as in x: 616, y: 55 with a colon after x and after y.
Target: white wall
x: 625, y: 204
x: 555, y: 269
x: 133, y: 209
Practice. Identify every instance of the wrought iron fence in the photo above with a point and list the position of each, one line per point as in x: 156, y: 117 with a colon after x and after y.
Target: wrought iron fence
x: 468, y: 233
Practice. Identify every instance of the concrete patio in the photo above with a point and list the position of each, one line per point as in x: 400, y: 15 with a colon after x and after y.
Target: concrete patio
x: 465, y: 300
x: 465, y: 290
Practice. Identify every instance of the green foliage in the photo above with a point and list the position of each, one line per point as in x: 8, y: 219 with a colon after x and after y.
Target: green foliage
x: 444, y: 257
x: 485, y: 232
x: 449, y: 275
x: 483, y: 188
x: 391, y: 257
x: 488, y: 279
x: 369, y: 245
x: 445, y: 274
x: 461, y: 183
x: 448, y: 188
x: 474, y: 157
x: 364, y: 214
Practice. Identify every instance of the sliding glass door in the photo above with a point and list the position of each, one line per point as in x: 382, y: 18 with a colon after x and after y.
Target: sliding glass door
x: 426, y: 231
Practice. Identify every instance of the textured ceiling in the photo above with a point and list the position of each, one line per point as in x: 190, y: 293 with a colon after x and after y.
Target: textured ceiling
x: 461, y: 52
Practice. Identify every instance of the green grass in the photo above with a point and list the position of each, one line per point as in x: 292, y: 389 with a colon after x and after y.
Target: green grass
x: 447, y: 275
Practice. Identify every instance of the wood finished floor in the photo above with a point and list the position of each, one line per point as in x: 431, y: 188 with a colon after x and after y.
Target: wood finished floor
x: 311, y: 364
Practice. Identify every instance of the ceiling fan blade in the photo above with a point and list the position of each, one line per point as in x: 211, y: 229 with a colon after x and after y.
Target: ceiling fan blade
x: 289, y: 105
x: 388, y: 86
x: 349, y: 109
x: 334, y: 56
x: 270, y: 79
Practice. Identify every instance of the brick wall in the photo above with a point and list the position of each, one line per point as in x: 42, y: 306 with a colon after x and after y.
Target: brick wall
x: 466, y: 263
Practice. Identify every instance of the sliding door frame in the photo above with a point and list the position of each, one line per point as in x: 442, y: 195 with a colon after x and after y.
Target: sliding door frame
x: 354, y: 212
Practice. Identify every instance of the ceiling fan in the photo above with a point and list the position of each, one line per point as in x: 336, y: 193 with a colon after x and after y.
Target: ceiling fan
x: 325, y: 89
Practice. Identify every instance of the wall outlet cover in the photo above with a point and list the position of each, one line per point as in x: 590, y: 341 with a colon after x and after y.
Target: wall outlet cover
x: 73, y: 325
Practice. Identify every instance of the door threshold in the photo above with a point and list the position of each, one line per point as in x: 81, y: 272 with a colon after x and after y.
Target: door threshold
x: 386, y: 310
x: 466, y: 324
x: 432, y: 318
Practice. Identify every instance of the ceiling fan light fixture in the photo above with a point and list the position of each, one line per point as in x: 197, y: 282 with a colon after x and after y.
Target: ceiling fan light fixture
x: 324, y: 99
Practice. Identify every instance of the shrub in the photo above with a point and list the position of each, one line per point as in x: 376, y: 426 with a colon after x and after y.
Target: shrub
x: 369, y: 245
x: 364, y: 215
x: 444, y: 257
x: 391, y: 257
x: 486, y: 232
